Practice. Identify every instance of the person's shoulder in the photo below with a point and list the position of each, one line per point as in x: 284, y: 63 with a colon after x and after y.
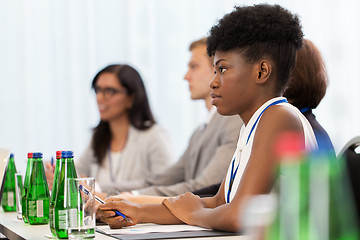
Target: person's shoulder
x: 283, y: 116
x: 155, y: 129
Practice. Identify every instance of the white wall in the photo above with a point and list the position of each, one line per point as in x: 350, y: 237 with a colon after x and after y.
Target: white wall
x: 50, y: 50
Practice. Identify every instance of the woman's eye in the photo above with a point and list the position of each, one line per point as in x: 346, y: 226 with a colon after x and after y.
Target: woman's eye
x: 222, y: 70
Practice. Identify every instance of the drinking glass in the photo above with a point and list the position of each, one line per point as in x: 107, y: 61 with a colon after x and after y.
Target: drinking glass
x: 258, y: 213
x: 81, y: 208
x: 18, y: 192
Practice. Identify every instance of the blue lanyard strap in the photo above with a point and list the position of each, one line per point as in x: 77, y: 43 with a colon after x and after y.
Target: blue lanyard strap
x: 305, y: 110
x: 233, y: 174
x: 232, y: 177
x: 274, y: 103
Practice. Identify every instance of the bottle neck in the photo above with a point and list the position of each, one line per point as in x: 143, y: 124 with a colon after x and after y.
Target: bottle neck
x: 67, y: 159
x: 11, y: 164
x: 67, y: 167
x: 30, y: 160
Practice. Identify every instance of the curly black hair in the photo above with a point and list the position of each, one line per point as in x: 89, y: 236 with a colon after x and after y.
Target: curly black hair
x: 259, y: 31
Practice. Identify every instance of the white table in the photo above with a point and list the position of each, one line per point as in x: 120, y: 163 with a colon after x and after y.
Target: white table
x: 18, y: 230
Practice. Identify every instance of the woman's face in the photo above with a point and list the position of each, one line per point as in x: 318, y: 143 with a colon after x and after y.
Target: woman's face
x: 112, y: 98
x: 233, y: 85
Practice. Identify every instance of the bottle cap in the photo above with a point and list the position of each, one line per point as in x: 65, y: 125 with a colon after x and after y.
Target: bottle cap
x: 67, y: 154
x: 37, y: 155
x: 289, y: 144
x: 11, y: 155
x: 58, y: 154
x: 30, y: 155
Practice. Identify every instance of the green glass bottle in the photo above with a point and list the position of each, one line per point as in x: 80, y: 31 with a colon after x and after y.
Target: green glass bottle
x: 9, y: 197
x: 38, y: 196
x: 291, y: 216
x: 26, y: 187
x: 53, y: 193
x: 66, y: 171
x: 337, y: 203
x: 314, y: 199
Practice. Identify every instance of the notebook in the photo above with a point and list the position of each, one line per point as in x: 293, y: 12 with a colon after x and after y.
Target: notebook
x: 155, y: 231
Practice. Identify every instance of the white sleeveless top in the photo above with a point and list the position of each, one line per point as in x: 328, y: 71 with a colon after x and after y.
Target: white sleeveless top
x: 245, y: 142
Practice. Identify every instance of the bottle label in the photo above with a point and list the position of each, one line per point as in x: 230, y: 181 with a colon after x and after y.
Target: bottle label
x: 31, y: 208
x: 36, y: 208
x: 10, y: 199
x: 72, y: 218
x: 39, y: 208
x: 62, y: 218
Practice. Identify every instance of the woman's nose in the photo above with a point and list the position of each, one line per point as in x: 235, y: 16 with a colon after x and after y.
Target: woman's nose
x: 214, y: 82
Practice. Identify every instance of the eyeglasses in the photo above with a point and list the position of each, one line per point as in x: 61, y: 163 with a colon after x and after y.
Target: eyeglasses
x: 108, y: 92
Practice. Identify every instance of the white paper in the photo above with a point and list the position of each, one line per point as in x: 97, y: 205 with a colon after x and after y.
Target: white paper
x: 151, y: 228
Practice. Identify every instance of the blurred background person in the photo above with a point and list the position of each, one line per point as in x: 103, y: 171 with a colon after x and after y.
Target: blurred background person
x: 127, y: 143
x: 307, y: 87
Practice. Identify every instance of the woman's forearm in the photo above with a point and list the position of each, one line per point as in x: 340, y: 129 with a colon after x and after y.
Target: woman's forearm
x: 222, y: 218
x: 156, y: 213
x: 211, y: 202
x: 146, y: 199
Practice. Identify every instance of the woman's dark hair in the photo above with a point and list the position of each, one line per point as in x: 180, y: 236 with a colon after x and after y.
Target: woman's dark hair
x: 260, y: 31
x: 309, y: 79
x: 140, y: 114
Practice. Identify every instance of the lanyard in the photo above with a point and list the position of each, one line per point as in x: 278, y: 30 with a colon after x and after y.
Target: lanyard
x: 233, y: 174
x: 232, y: 177
x: 305, y: 110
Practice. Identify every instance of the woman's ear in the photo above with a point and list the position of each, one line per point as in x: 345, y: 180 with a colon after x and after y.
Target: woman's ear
x: 264, y: 71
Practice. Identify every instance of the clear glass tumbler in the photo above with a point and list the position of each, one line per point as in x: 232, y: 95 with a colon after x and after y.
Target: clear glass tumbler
x: 18, y: 192
x: 81, y: 208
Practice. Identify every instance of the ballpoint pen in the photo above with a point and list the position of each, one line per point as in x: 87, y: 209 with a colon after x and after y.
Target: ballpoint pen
x: 52, y: 164
x: 86, y: 191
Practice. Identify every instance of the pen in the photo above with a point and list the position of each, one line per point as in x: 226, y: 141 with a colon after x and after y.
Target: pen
x: 52, y: 163
x: 86, y: 191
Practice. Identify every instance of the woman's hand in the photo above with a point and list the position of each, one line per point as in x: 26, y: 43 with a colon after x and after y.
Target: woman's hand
x: 49, y: 173
x: 106, y: 212
x: 102, y: 196
x: 184, y: 206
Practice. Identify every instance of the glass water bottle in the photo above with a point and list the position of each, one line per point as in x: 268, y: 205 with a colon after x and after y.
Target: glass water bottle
x: 9, y: 197
x: 53, y: 193
x: 38, y: 196
x: 66, y: 171
x: 26, y: 187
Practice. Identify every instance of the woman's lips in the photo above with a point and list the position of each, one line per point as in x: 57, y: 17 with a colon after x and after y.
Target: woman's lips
x: 215, y: 98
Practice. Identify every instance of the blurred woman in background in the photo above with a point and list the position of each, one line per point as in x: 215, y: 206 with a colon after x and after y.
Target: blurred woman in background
x: 127, y: 143
x: 307, y: 87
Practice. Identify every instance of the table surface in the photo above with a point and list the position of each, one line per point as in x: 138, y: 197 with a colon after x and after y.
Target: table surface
x: 16, y: 229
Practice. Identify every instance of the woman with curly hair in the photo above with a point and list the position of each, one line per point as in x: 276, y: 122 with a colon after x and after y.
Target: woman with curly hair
x: 254, y: 51
x: 305, y: 90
